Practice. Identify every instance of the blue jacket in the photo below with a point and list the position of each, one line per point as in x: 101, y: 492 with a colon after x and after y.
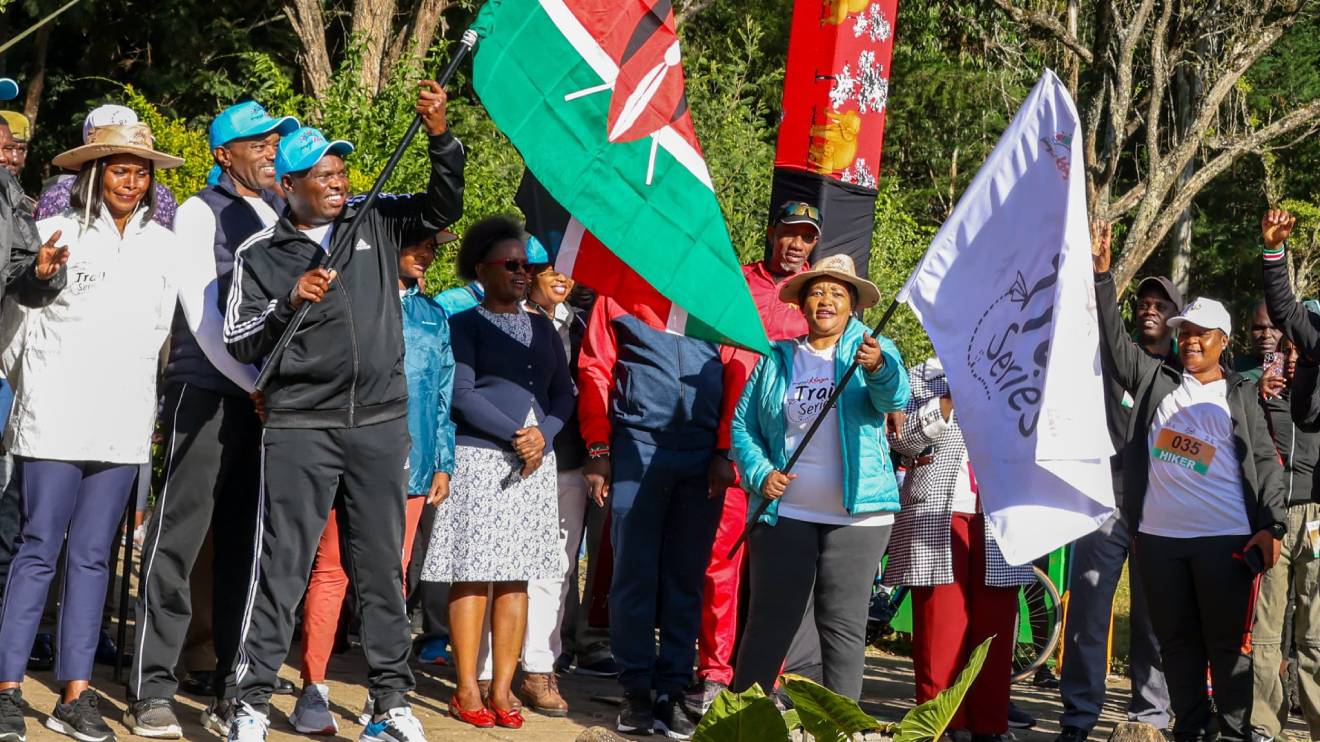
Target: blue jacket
x: 428, y: 366
x: 758, y: 424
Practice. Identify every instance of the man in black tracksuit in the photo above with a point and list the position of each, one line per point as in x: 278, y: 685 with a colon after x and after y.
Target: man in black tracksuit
x: 214, y: 437
x: 336, y: 431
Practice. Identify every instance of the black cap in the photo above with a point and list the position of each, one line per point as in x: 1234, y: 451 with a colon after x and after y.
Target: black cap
x: 799, y: 212
x: 1164, y: 285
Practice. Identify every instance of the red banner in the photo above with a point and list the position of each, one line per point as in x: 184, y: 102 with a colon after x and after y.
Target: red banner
x: 836, y: 87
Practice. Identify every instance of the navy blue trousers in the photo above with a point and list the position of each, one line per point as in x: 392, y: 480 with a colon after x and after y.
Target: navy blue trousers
x: 663, y: 525
x: 86, y: 501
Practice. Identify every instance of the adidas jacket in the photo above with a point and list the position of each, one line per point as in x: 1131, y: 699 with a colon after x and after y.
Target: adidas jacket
x: 344, y: 367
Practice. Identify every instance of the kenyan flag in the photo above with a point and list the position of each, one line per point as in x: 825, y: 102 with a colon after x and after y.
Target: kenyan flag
x: 591, y: 93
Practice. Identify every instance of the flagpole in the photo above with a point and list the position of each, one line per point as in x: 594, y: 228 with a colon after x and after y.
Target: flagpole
x: 815, y: 425
x: 341, y: 242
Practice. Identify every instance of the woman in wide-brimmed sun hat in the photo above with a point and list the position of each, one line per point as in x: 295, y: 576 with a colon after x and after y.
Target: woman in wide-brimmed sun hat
x: 84, y: 374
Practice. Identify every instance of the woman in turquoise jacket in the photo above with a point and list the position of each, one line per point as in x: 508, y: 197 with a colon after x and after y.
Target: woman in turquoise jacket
x: 828, y: 521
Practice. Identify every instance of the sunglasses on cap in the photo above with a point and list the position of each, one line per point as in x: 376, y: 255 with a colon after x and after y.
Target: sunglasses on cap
x: 511, y: 265
x: 797, y: 208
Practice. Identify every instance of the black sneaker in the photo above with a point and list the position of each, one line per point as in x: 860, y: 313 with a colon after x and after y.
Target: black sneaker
x: 13, y: 728
x: 698, y: 698
x: 1072, y: 734
x: 602, y: 668
x: 107, y: 653
x: 199, y: 683
x: 637, y: 716
x: 81, y: 719
x: 153, y: 718
x: 1019, y: 719
x: 564, y: 663
x: 671, y: 720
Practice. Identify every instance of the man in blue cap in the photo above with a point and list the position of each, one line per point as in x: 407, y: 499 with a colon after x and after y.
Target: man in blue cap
x: 336, y: 432
x: 211, y: 472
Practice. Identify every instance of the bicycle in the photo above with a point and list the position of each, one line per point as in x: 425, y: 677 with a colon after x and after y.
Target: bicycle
x: 1039, y: 625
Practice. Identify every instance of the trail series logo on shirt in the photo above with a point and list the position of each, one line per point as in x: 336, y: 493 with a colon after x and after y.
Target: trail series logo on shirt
x: 1010, y: 347
x: 81, y: 281
x: 1183, y: 449
x: 807, y: 398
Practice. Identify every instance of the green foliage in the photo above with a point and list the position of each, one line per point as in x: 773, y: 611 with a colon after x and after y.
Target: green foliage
x: 174, y: 136
x: 749, y: 715
x: 928, y: 721
x: 828, y: 716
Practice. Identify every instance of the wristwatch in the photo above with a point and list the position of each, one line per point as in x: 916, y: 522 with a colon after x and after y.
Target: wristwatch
x: 598, y: 451
x: 1278, y: 530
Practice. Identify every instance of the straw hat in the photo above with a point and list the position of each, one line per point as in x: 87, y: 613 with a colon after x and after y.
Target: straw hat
x: 116, y: 139
x: 839, y: 267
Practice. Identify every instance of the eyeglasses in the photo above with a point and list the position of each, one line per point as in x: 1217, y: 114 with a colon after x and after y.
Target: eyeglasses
x: 797, y: 208
x: 511, y: 265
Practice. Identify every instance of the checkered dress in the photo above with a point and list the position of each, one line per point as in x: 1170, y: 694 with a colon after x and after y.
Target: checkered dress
x: 919, y: 544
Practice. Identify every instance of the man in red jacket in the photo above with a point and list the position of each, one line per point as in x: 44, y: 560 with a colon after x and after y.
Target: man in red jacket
x: 794, y: 235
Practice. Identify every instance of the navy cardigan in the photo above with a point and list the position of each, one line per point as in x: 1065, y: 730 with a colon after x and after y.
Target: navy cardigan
x: 497, y: 380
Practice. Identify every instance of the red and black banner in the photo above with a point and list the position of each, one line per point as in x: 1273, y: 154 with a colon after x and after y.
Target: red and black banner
x: 836, y: 89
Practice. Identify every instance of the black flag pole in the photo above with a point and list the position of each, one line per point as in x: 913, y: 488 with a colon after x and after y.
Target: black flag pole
x: 815, y: 425
x: 341, y: 243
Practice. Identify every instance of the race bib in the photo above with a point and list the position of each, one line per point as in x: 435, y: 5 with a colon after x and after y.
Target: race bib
x: 1181, y: 449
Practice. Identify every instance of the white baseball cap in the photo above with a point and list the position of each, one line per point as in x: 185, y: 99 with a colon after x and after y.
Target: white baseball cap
x: 1206, y: 313
x: 107, y: 115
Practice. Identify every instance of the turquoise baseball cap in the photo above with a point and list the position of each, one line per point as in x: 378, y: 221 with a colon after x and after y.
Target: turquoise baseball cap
x: 247, y: 119
x: 304, y: 148
x: 536, y: 252
x: 8, y: 89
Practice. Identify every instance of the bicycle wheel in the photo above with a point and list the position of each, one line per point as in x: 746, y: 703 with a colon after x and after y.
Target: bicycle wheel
x: 1041, y: 610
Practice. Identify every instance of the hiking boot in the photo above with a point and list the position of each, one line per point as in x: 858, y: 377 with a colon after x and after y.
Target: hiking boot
x: 249, y: 725
x: 398, y: 725
x: 81, y: 719
x: 153, y: 718
x: 311, y: 715
x: 541, y: 692
x: 637, y: 716
x: 218, y: 716
x: 701, y: 695
x: 13, y: 727
x: 671, y: 720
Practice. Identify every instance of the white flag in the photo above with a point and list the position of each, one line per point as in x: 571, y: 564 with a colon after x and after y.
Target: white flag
x: 1007, y: 296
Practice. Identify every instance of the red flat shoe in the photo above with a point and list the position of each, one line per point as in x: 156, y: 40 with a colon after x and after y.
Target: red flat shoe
x: 511, y: 719
x: 480, y: 717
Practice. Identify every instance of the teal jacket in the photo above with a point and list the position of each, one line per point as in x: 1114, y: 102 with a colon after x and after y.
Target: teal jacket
x: 758, y: 424
x: 428, y: 366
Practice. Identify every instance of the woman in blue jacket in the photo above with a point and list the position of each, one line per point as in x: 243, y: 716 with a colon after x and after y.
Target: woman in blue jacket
x: 828, y: 521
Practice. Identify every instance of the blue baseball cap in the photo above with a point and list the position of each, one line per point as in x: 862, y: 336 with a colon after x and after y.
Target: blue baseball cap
x: 8, y: 89
x: 247, y: 119
x: 304, y: 148
x: 536, y: 252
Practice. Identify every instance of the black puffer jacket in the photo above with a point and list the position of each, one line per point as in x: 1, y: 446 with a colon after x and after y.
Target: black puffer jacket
x: 344, y: 367
x: 1149, y: 380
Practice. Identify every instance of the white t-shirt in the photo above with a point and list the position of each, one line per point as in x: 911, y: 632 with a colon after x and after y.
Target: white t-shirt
x: 816, y: 496
x: 265, y: 213
x: 320, y: 235
x: 1195, y: 485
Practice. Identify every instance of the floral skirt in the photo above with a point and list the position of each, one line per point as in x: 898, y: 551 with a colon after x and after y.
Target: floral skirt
x: 496, y: 526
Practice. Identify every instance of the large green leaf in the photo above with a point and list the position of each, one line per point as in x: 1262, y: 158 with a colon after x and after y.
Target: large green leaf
x: 928, y: 721
x: 742, y: 717
x: 828, y: 716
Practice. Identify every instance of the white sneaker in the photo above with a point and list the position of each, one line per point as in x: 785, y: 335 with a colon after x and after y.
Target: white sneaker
x: 399, y: 725
x: 249, y: 725
x: 368, y: 710
x: 311, y: 715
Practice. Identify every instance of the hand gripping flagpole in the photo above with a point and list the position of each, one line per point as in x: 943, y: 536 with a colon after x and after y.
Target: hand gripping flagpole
x: 815, y: 425
x: 341, y: 243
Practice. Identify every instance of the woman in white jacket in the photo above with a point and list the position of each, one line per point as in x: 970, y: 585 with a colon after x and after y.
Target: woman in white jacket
x: 84, y: 374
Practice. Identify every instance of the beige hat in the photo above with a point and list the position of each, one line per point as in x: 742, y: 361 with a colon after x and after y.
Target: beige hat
x: 835, y: 266
x: 116, y: 139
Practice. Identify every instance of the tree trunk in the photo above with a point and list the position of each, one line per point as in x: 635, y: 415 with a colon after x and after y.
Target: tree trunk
x: 372, y: 22
x: 416, y: 38
x: 1187, y: 96
x: 314, y: 58
x: 36, y: 78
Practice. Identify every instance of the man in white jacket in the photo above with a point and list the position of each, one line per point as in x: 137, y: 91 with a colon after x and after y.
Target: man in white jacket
x: 212, y: 464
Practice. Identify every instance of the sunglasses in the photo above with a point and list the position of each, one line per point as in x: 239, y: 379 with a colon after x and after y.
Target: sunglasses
x: 511, y: 265
x: 797, y: 208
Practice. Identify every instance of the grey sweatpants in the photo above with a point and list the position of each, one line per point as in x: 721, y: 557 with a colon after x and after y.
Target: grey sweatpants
x: 791, y: 562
